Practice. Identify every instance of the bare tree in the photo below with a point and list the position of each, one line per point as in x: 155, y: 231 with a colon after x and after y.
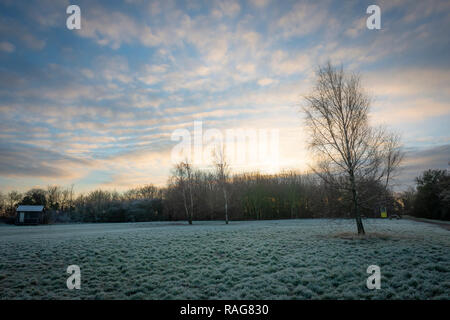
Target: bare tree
x: 65, y: 195
x: 184, y: 179
x: 54, y: 197
x: 71, y: 194
x: 222, y: 175
x: 293, y: 181
x: 211, y: 188
x: 2, y: 204
x: 13, y: 198
x: 348, y: 150
x: 393, y: 156
x: 148, y: 191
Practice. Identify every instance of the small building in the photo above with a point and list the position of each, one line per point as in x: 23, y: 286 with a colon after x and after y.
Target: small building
x: 29, y: 214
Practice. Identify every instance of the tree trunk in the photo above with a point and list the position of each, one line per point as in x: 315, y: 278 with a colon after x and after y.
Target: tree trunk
x: 359, y: 223
x: 188, y: 216
x: 226, y: 205
x: 192, y: 206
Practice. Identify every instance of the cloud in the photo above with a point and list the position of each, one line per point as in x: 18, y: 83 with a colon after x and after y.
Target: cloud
x: 20, y: 160
x: 266, y: 81
x: 226, y: 7
x: 423, y: 10
x: 304, y: 18
x: 260, y: 3
x: 405, y: 95
x: 114, y: 68
x: 356, y: 28
x: 7, y: 47
x: 48, y: 13
x: 12, y: 29
x: 249, y: 68
x: 418, y: 160
x: 136, y: 168
x: 285, y: 64
x: 140, y: 70
x: 115, y: 28
x: 411, y: 110
x: 430, y: 82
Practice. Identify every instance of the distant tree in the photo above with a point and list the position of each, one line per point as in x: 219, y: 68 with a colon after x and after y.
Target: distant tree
x: 2, y: 204
x: 54, y: 197
x: 210, y: 185
x: 12, y: 199
x: 35, y: 196
x: 432, y: 200
x: 64, y: 200
x: 222, y: 171
x: 70, y: 197
x: 148, y: 191
x: 348, y: 150
x: 407, y: 199
x: 183, y: 175
x: 97, y: 203
x: 294, y: 196
x: 67, y: 198
x: 145, y: 192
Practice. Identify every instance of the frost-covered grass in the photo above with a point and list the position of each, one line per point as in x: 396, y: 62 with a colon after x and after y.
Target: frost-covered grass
x: 291, y: 259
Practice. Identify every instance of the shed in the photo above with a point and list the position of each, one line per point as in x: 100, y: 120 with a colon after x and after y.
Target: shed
x: 29, y: 214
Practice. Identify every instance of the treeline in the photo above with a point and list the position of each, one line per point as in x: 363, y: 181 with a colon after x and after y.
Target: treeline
x: 254, y: 196
x: 430, y: 198
x: 207, y: 195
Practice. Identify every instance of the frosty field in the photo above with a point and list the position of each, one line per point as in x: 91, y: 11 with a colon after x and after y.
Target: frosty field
x: 289, y: 259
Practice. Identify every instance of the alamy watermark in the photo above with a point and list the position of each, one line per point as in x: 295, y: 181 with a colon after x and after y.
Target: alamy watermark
x: 241, y: 147
x: 374, y: 280
x: 374, y: 20
x: 74, y: 281
x: 74, y: 20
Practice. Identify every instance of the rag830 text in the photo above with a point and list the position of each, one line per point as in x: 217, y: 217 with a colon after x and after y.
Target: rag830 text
x: 246, y: 309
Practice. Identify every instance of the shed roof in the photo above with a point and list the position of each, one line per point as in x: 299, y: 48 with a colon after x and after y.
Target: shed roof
x: 30, y: 208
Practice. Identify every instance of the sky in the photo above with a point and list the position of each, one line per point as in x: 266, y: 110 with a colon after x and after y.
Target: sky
x: 99, y: 107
